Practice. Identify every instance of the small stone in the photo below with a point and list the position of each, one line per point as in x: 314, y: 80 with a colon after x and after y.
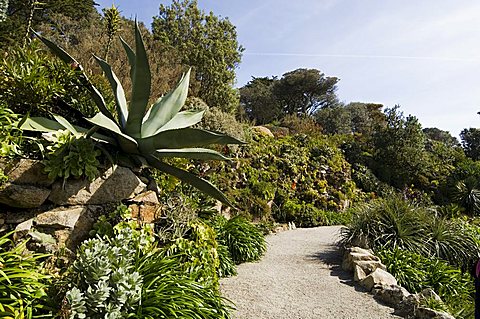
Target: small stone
x: 427, y: 313
x: 23, y: 196
x: 369, y: 266
x: 379, y: 276
x: 262, y: 130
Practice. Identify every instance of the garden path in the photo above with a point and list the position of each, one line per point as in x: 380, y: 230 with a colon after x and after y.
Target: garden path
x: 300, y: 278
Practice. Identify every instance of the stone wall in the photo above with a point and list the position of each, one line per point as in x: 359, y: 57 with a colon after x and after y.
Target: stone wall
x: 60, y: 214
x: 371, y: 274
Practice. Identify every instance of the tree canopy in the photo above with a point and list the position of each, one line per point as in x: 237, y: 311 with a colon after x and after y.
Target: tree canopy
x: 205, y: 42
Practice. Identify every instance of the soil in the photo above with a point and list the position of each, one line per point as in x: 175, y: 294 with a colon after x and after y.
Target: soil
x: 300, y: 278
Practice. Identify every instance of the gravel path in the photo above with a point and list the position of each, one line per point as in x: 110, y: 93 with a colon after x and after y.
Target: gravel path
x: 300, y: 278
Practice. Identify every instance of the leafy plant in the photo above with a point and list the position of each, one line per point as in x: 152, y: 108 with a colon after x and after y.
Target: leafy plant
x: 168, y: 292
x: 226, y: 267
x: 388, y: 223
x: 71, y: 155
x: 244, y: 241
x: 23, y: 285
x: 161, y: 131
x: 415, y: 273
x: 105, y: 281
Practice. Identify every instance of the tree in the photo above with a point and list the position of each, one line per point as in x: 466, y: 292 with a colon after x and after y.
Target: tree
x: 439, y: 135
x: 205, y: 42
x: 20, y: 12
x: 400, y: 156
x: 303, y: 91
x: 258, y: 101
x: 471, y: 142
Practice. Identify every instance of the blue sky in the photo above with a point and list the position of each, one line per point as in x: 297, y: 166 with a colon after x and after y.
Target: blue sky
x: 423, y: 55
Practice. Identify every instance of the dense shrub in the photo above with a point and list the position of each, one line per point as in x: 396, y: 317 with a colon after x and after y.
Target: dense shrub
x: 23, y: 286
x: 226, y: 267
x: 416, y: 272
x: 35, y: 83
x: 244, y: 241
x: 398, y: 223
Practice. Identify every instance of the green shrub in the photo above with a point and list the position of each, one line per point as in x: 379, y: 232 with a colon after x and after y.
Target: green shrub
x: 23, y: 286
x: 301, y: 125
x: 33, y: 82
x: 244, y: 241
x: 388, y: 223
x: 226, y: 267
x: 415, y: 273
x: 197, y: 254
x: 71, y: 156
x: 106, y: 283
x: 10, y: 135
x: 168, y: 292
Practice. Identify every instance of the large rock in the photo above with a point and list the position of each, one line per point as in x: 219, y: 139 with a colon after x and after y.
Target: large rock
x: 145, y: 207
x: 262, y: 130
x: 26, y: 171
x: 23, y: 196
x: 427, y: 313
x: 351, y: 257
x: 369, y: 266
x: 60, y: 217
x: 115, y: 185
x: 391, y: 295
x: 378, y: 277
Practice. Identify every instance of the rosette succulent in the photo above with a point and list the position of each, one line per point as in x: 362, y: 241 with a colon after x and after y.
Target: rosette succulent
x: 154, y: 132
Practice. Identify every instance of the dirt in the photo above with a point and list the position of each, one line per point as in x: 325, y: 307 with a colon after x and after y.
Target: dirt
x: 300, y: 278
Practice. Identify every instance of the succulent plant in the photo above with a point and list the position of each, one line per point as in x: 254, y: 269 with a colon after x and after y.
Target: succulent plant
x: 153, y: 133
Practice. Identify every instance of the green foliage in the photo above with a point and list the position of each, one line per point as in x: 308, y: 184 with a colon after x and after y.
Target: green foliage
x: 226, y: 267
x: 394, y: 222
x: 197, y: 255
x: 471, y: 142
x: 415, y: 273
x: 71, y: 156
x: 34, y: 83
x: 170, y: 293
x: 467, y: 194
x: 23, y: 285
x: 301, y: 125
x: 105, y: 279
x: 10, y: 136
x: 205, y: 42
x: 244, y: 241
x: 259, y: 102
x: 3, y: 10
x: 158, y: 132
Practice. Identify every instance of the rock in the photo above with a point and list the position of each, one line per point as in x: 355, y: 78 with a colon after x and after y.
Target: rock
x: 26, y: 171
x: 24, y: 228
x: 262, y: 130
x: 17, y: 217
x: 60, y: 217
x: 360, y: 250
x: 23, y: 196
x: 378, y: 277
x: 369, y: 266
x: 351, y: 257
x: 427, y: 313
x: 428, y: 293
x: 358, y: 273
x: 115, y: 185
x: 146, y: 207
x: 391, y: 295
x: 406, y: 308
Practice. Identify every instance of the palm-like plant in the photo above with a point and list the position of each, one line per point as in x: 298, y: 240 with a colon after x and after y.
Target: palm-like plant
x: 153, y: 133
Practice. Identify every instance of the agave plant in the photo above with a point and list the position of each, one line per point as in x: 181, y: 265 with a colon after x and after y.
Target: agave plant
x: 153, y: 133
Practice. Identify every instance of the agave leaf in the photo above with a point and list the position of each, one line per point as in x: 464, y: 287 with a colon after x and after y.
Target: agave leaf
x: 127, y: 143
x: 41, y: 124
x: 166, y: 108
x: 193, y: 153
x: 65, y: 123
x: 141, y: 83
x: 65, y: 57
x: 186, y: 137
x: 192, y: 179
x: 183, y: 120
x: 130, y: 56
x: 117, y: 88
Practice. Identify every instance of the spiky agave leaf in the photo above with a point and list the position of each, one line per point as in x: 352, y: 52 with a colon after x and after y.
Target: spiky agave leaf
x: 141, y: 84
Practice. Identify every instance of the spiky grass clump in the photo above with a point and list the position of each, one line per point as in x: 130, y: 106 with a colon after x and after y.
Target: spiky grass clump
x: 244, y: 241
